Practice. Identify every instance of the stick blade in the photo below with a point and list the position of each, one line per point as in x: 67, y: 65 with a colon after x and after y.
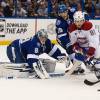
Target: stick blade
x: 56, y: 74
x: 88, y: 82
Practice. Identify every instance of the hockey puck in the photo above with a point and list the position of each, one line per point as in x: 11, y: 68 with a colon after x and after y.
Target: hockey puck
x: 66, y: 71
x: 10, y: 77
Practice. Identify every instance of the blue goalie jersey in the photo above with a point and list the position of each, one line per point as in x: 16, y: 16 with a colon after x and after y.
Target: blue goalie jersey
x: 28, y: 51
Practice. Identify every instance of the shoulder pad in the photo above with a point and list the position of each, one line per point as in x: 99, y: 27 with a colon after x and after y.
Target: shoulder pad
x: 72, y: 28
x: 58, y: 22
x: 87, y: 25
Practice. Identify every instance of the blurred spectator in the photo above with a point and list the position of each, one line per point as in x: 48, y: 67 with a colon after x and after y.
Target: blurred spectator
x: 52, y: 8
x: 46, y: 8
x: 31, y: 12
x: 90, y: 8
x: 98, y: 4
x: 75, y: 4
x: 97, y: 9
x: 42, y: 10
x: 20, y: 12
x: 1, y: 12
x: 23, y: 0
x: 7, y: 11
x: 67, y: 3
x: 97, y: 13
x: 94, y: 2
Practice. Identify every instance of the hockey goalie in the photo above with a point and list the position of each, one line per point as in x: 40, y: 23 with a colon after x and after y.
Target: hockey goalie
x: 26, y: 52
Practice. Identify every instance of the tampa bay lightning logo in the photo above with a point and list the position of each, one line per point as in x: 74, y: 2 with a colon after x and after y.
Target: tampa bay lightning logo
x: 58, y: 22
x: 38, y: 44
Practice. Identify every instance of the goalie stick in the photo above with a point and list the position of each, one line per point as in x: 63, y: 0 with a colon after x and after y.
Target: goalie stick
x: 14, y: 65
x: 28, y: 70
x: 56, y: 74
x: 90, y: 83
x: 22, y: 67
x: 19, y: 69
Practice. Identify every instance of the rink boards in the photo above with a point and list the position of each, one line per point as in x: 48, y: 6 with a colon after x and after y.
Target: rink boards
x: 13, y: 28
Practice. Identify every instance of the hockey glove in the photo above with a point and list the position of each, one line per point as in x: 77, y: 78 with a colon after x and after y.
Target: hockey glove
x: 80, y: 57
x: 62, y: 57
x: 90, y: 53
x: 77, y: 48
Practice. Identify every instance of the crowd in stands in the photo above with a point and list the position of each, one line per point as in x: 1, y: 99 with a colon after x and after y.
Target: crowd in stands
x: 46, y: 8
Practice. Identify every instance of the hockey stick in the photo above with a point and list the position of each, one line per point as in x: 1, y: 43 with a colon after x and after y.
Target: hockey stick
x: 56, y: 74
x: 87, y: 82
x: 90, y: 83
x: 15, y: 65
x: 19, y: 69
x: 28, y: 70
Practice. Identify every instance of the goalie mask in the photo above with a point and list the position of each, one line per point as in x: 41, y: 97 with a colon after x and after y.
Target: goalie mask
x: 42, y: 35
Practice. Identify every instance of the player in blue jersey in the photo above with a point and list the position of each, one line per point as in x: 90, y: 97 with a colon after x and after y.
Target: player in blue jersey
x: 28, y: 51
x: 63, y: 21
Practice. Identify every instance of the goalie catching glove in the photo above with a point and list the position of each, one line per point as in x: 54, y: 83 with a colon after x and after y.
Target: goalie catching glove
x: 83, y: 54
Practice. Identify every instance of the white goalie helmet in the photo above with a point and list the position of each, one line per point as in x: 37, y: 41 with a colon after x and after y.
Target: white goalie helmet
x: 78, y: 16
x: 42, y: 33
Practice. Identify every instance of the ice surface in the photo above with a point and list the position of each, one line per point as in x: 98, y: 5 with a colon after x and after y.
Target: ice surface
x: 63, y: 88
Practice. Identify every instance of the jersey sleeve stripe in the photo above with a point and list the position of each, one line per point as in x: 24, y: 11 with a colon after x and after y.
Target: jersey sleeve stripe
x: 53, y: 50
x: 32, y: 56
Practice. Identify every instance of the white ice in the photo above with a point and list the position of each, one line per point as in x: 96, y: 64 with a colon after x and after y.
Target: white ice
x: 63, y: 88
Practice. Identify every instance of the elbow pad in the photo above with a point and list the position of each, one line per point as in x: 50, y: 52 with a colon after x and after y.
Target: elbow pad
x: 91, y: 51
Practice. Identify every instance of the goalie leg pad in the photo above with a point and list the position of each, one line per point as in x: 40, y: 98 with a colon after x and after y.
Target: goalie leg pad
x: 49, y: 65
x: 40, y: 70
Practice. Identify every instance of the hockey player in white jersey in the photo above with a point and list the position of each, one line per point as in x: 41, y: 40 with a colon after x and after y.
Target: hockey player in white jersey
x: 85, y: 41
x: 28, y: 51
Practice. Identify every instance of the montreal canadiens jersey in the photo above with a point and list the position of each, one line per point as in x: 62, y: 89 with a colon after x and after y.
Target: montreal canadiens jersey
x: 85, y: 36
x: 31, y: 49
